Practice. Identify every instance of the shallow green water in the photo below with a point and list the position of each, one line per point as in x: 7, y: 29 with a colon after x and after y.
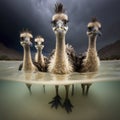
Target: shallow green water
x: 109, y: 71
x: 102, y: 103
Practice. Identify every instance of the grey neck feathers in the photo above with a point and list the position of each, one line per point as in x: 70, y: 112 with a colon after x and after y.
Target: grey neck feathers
x: 27, y: 60
x: 92, y: 52
x: 60, y: 53
x: 91, y: 63
x: 40, y: 58
x: 59, y: 63
x: 92, y: 42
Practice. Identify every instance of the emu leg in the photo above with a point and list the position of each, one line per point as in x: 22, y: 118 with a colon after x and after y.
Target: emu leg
x: 85, y: 88
x: 72, y: 90
x: 44, y: 88
x: 29, y: 88
x: 57, y: 99
x: 67, y: 103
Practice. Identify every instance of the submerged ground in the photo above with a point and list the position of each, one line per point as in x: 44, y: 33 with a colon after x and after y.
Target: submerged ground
x: 102, y: 103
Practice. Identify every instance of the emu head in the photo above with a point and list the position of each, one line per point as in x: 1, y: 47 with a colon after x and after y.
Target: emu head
x: 26, y: 38
x: 38, y: 42
x: 94, y: 28
x: 59, y: 20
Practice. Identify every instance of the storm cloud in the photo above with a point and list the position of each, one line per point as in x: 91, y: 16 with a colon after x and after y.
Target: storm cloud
x: 36, y: 16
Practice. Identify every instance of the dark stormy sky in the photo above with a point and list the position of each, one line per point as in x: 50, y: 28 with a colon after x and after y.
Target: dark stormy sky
x: 36, y: 16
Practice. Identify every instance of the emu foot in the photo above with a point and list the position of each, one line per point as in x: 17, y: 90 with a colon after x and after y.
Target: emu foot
x: 56, y: 102
x: 67, y: 105
x: 29, y: 88
x: 85, y: 88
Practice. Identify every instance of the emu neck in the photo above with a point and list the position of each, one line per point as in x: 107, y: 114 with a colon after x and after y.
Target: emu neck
x: 92, y: 52
x: 27, y: 60
x: 91, y: 63
x: 40, y: 58
x: 92, y: 43
x: 60, y: 48
x: 60, y: 63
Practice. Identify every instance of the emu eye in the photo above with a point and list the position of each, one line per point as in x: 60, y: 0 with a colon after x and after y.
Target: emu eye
x: 22, y: 39
x: 65, y: 22
x: 35, y: 43
x: 100, y: 28
x: 53, y: 22
x: 90, y: 28
x: 31, y: 39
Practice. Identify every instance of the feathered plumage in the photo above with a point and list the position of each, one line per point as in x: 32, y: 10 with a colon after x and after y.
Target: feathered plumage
x: 38, y: 66
x: 59, y: 8
x: 75, y: 59
x: 94, y: 19
x: 25, y: 33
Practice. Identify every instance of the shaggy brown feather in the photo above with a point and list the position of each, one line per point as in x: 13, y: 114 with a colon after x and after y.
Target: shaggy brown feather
x: 59, y: 8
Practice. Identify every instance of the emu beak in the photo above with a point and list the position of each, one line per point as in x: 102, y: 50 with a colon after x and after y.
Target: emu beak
x: 60, y: 26
x: 99, y: 33
x: 31, y: 44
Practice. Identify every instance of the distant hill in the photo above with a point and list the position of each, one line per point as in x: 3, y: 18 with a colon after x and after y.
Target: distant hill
x: 110, y: 52
x: 8, y: 53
